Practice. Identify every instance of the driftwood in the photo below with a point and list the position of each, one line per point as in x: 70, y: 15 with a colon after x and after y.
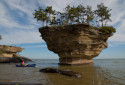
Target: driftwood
x: 61, y: 71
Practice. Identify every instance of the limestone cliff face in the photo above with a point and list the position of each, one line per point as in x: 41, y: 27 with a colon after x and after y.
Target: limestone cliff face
x: 10, y: 49
x: 75, y: 44
x: 9, y: 54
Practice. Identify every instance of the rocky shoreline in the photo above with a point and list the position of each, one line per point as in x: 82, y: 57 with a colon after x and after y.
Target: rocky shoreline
x: 9, y: 54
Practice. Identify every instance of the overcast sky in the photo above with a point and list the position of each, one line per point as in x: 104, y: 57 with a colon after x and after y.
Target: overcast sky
x: 18, y: 27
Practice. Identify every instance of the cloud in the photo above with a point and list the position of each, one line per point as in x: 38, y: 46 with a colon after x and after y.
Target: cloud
x: 18, y: 25
x: 21, y: 37
x: 33, y: 46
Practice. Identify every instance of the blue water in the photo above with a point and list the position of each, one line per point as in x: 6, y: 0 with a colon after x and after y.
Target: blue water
x: 102, y: 72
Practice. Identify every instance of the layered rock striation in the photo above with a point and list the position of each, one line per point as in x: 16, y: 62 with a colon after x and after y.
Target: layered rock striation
x: 10, y: 54
x: 75, y: 44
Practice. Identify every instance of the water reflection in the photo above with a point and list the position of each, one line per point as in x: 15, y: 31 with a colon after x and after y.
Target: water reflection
x: 91, y: 75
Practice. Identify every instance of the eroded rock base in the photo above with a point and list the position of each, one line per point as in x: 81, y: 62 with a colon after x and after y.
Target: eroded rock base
x: 74, y: 61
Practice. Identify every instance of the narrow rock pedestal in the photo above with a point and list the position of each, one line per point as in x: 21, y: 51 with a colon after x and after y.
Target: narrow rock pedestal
x: 74, y: 61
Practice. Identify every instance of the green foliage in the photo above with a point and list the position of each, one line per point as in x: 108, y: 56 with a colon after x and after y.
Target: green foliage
x: 89, y: 13
x: 48, y: 12
x: 108, y: 29
x: 73, y: 12
x: 74, y: 15
x: 105, y: 29
x: 81, y: 12
x: 43, y: 14
x: 103, y: 13
x: 40, y: 15
x: 94, y: 27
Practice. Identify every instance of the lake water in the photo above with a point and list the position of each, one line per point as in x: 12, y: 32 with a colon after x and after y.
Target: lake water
x: 102, y: 72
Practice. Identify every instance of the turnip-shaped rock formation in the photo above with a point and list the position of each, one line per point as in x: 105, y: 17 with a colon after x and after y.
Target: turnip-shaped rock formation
x: 75, y: 44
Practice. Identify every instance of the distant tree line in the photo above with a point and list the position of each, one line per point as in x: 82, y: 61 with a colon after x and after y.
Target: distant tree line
x: 74, y: 15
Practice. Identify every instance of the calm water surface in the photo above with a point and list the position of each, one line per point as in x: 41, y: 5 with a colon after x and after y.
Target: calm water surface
x: 102, y: 72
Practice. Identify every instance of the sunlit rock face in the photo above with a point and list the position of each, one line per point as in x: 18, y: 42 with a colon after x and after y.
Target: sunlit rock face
x: 10, y: 54
x: 10, y: 49
x: 75, y: 44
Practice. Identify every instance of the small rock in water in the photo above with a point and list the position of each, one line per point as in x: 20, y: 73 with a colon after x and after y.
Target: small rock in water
x: 61, y: 71
x: 49, y: 70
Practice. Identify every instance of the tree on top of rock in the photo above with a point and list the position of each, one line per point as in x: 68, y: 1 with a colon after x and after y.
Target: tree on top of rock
x: 81, y: 13
x: 73, y: 12
x: 74, y: 15
x: 103, y: 13
x: 90, y: 14
x: 49, y: 12
x: 40, y: 15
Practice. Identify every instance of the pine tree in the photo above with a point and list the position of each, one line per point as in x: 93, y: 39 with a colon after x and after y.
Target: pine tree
x: 49, y: 12
x: 103, y: 13
x: 89, y: 14
x: 73, y: 12
x: 81, y: 13
x: 40, y: 15
x: 67, y: 14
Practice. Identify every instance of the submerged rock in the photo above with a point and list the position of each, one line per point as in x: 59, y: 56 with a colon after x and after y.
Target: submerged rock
x: 75, y: 44
x: 61, y: 71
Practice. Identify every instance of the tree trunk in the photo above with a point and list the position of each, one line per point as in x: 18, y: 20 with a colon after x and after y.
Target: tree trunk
x: 102, y: 23
x: 78, y: 19
x: 87, y: 19
x: 43, y: 24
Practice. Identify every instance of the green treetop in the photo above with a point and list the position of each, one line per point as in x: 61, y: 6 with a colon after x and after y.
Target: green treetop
x: 40, y: 15
x: 103, y: 13
x: 49, y: 12
x: 72, y: 15
x: 67, y: 14
x: 73, y: 12
x: 90, y: 14
x: 81, y: 13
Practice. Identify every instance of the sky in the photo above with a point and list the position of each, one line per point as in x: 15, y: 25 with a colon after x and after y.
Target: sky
x: 19, y: 28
